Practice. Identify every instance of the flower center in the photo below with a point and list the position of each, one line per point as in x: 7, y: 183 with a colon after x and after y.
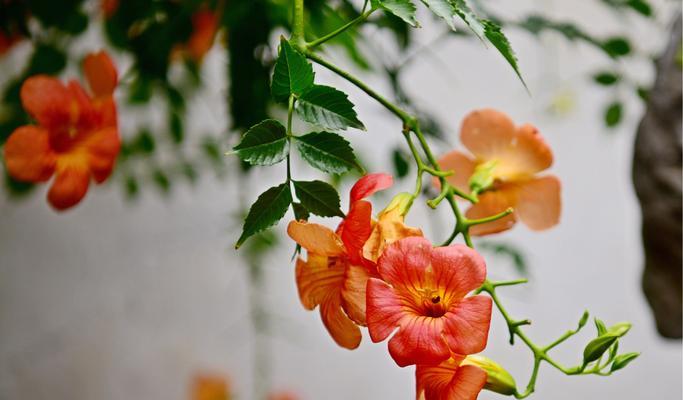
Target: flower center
x: 431, y: 303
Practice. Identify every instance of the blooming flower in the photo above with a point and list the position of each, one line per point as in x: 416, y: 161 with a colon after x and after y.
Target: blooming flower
x: 506, y: 161
x: 422, y: 292
x: 335, y: 274
x: 76, y: 137
x: 211, y: 387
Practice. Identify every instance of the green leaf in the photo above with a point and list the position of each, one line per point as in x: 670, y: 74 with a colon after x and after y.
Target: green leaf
x: 640, y: 6
x: 469, y: 17
x: 268, y: 209
x: 606, y: 78
x: 327, y: 152
x: 584, y: 319
x: 401, y: 165
x: 620, y: 329
x: 617, y: 46
x: 444, y: 9
x: 623, y: 360
x: 319, y: 198
x: 497, y: 38
x: 292, y: 74
x: 600, y: 326
x: 327, y: 107
x: 264, y: 144
x: 598, y: 346
x: 404, y: 9
x: 300, y: 212
x: 613, y: 114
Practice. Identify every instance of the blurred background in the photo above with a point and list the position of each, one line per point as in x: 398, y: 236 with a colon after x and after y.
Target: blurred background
x: 137, y: 290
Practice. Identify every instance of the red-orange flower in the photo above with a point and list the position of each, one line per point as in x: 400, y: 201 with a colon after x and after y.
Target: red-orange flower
x: 210, y: 387
x: 422, y: 292
x: 510, y: 157
x: 76, y: 137
x: 283, y: 395
x: 205, y: 24
x: 335, y: 274
x: 449, y: 380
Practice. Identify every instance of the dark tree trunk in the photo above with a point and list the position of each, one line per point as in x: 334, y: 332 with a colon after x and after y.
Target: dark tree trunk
x: 657, y: 180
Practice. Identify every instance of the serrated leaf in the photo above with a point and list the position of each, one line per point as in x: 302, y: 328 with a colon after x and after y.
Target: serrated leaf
x: 327, y: 107
x: 268, y: 209
x: 293, y: 74
x: 498, y: 39
x: 598, y: 346
x: 613, y: 114
x: 264, y: 143
x: 327, y: 152
x: 623, y: 360
x: 444, y: 9
x: 318, y: 198
x: 469, y: 17
x: 606, y: 78
x: 404, y: 9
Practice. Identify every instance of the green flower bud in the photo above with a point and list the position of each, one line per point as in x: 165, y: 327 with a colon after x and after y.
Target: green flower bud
x: 620, y: 329
x: 498, y: 379
x: 400, y: 203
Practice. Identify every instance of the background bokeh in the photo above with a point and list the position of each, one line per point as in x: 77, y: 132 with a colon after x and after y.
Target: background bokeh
x: 129, y: 300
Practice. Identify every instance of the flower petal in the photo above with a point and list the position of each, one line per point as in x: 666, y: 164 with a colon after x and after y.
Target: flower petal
x: 354, y: 293
x: 103, y: 146
x: 384, y: 310
x: 458, y: 270
x: 355, y: 230
x: 526, y: 155
x: 316, y: 238
x: 344, y: 332
x: 210, y: 387
x: 404, y: 262
x: 467, y: 383
x: 419, y: 341
x: 28, y: 155
x: 100, y: 73
x: 491, y: 203
x: 315, y: 279
x: 388, y: 229
x: 70, y: 184
x: 487, y: 133
x: 369, y: 184
x: 539, y: 205
x: 47, y: 100
x: 467, y: 325
x: 462, y: 165
x: 204, y: 25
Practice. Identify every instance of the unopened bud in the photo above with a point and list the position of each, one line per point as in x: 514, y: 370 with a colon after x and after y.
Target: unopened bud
x: 498, y: 379
x: 400, y: 204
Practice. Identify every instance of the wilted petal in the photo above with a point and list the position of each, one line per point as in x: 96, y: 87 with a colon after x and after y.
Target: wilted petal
x: 369, y: 184
x: 539, y: 204
x: 28, y: 155
x: 457, y: 270
x: 316, y: 238
x: 490, y: 203
x: 467, y: 325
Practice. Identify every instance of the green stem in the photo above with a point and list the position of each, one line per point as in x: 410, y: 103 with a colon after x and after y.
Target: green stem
x: 472, y: 222
x: 298, y: 35
x: 317, y: 42
x: 290, y: 112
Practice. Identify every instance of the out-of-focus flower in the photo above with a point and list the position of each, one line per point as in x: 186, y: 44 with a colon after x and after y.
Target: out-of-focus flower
x: 109, y: 7
x: 205, y: 25
x: 423, y: 292
x: 450, y: 380
x: 503, y: 171
x: 211, y: 387
x: 76, y: 138
x: 283, y: 395
x: 329, y: 278
x: 7, y: 41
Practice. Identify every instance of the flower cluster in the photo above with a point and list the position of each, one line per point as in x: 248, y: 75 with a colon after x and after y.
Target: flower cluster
x: 76, y: 138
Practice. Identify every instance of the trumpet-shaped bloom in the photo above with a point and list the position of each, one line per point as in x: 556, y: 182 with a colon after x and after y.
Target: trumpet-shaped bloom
x: 211, y: 387
x: 423, y: 292
x: 76, y: 137
x: 511, y: 157
x: 449, y: 380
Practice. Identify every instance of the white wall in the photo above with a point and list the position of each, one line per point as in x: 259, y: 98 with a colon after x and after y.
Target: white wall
x: 117, y: 301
